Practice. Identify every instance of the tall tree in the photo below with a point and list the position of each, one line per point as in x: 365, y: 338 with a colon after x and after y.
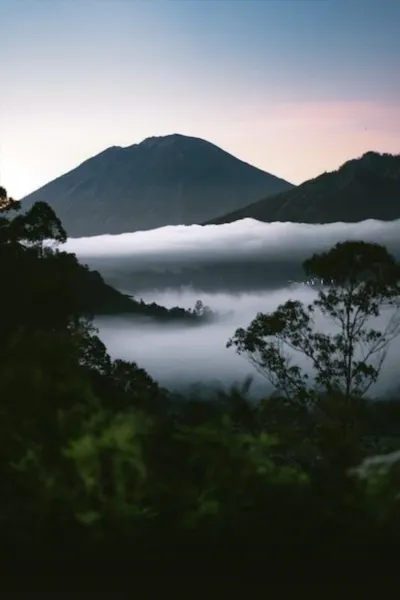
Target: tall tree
x: 360, y: 283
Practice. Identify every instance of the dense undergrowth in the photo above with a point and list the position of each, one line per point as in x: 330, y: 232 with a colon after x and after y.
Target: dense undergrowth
x: 104, y: 470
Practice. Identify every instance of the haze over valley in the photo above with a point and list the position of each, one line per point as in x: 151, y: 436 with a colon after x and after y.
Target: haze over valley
x: 242, y: 256
x: 195, y: 360
x: 238, y: 270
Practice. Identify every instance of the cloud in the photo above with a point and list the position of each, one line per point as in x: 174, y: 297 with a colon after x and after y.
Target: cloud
x: 180, y: 357
x: 242, y: 241
x: 214, y: 261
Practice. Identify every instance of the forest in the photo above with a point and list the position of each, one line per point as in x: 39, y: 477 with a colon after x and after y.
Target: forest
x: 104, y: 471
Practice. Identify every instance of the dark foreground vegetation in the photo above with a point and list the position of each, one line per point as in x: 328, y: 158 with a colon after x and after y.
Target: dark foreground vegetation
x: 103, y: 472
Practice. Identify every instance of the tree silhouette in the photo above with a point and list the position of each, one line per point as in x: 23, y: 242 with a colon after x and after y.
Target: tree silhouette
x: 6, y: 202
x: 361, y: 281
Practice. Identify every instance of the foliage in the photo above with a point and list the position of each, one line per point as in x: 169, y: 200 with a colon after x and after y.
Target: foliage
x: 360, y: 281
x: 99, y: 463
x: 381, y: 477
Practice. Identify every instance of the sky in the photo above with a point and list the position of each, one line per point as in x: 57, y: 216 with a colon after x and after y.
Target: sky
x: 294, y: 87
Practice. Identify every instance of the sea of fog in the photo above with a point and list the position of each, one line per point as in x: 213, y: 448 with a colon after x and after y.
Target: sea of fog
x: 237, y: 269
x: 236, y: 257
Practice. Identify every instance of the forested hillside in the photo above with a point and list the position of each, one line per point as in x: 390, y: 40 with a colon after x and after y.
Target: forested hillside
x: 105, y: 473
x: 363, y: 188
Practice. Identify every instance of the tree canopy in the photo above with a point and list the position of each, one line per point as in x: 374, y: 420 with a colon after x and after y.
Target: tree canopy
x: 104, y: 468
x: 360, y: 283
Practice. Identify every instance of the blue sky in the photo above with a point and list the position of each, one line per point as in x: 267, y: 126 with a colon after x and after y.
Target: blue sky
x: 295, y: 87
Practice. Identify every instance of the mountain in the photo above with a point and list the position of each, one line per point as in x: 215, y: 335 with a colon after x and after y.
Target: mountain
x: 168, y: 180
x: 363, y: 188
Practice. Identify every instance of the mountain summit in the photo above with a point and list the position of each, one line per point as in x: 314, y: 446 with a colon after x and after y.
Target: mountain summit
x: 363, y: 188
x: 167, y: 180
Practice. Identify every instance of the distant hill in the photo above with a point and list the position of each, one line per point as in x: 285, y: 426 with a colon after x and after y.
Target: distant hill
x: 363, y: 188
x: 169, y: 180
x: 95, y: 297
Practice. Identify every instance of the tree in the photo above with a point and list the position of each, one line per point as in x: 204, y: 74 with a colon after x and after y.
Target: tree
x: 360, y: 281
x: 6, y: 202
x: 34, y: 228
x: 201, y: 310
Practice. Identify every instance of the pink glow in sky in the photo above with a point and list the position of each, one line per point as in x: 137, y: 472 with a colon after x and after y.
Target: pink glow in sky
x: 295, y: 88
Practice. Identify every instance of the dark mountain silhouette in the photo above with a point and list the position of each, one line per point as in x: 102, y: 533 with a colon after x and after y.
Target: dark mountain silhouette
x: 96, y: 297
x: 167, y: 180
x: 363, y: 188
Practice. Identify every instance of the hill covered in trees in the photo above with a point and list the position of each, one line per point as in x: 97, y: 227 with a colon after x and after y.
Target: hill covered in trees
x: 167, y: 180
x: 363, y: 188
x: 95, y: 297
x: 104, y: 473
x: 91, y: 294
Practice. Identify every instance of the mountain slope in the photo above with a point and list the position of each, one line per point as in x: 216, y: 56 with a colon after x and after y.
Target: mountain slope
x: 363, y: 188
x: 95, y: 297
x: 162, y: 181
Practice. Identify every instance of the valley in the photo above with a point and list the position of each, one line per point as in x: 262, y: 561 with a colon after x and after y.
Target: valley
x: 199, y: 295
